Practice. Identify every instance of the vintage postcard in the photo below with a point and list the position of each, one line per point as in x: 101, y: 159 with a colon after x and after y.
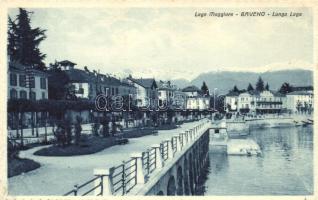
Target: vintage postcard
x: 168, y: 99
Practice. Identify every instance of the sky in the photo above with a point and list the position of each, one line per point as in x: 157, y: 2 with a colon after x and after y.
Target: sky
x: 171, y: 43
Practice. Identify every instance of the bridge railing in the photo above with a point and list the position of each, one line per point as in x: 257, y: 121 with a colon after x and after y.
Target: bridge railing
x: 121, y: 179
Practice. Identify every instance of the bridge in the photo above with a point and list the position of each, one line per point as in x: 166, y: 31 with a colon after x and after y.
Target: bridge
x: 172, y: 167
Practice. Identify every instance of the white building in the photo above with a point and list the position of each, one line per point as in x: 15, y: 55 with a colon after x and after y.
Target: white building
x: 245, y: 102
x: 26, y: 83
x: 195, y: 100
x: 146, y: 92
x: 231, y: 100
x: 270, y: 102
x: 300, y: 101
x: 166, y: 93
x: 256, y: 102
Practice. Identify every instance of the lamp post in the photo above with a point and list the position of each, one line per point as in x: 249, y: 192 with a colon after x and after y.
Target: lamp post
x: 214, y: 98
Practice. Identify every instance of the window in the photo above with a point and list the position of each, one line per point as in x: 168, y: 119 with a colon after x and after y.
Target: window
x: 43, y: 83
x: 13, y: 79
x: 32, y: 95
x: 44, y: 95
x: 13, y: 94
x: 113, y: 91
x: 116, y: 91
x: 32, y: 81
x: 23, y: 94
x: 22, y: 80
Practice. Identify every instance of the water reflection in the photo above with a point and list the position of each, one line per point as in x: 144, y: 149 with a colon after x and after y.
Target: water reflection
x: 285, y: 168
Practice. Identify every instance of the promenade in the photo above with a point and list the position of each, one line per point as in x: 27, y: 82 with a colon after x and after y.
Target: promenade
x: 60, y: 174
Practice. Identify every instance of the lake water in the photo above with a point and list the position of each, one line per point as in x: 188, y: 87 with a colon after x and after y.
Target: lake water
x: 285, y: 168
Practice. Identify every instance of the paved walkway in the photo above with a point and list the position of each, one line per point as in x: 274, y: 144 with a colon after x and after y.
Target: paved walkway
x: 57, y: 175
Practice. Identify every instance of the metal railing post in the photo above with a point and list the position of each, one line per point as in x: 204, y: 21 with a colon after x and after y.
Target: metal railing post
x: 140, y: 176
x: 75, y: 190
x: 178, y: 142
x: 158, y: 157
x: 124, y: 178
x: 169, y: 146
x: 105, y: 182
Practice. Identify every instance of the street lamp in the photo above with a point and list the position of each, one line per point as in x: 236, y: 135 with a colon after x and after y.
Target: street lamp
x: 214, y: 98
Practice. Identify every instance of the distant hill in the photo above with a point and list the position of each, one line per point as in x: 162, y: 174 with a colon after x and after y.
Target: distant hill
x: 225, y: 80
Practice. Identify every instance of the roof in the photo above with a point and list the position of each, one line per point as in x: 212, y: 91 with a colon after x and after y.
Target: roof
x: 191, y: 88
x: 166, y: 85
x: 232, y: 94
x: 144, y: 82
x: 299, y: 93
x: 18, y: 67
x: 302, y: 88
x: 66, y: 62
x: 80, y: 76
x: 277, y: 94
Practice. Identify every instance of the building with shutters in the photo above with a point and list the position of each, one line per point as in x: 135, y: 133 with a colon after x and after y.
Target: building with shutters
x: 26, y: 83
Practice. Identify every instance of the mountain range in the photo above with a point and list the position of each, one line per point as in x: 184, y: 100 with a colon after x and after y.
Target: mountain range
x: 225, y: 80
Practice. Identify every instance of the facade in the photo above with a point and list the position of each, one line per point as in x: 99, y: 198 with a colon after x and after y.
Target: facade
x: 255, y: 102
x: 146, y: 92
x: 231, y: 100
x: 88, y: 84
x: 300, y: 101
x: 166, y: 93
x: 195, y: 100
x: 26, y: 83
x: 245, y: 102
x: 270, y: 102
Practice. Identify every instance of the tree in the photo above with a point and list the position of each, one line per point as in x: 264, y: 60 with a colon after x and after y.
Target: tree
x: 250, y: 87
x: 12, y: 39
x: 260, y: 84
x: 285, y: 88
x: 205, y: 89
x: 235, y: 89
x: 58, y: 84
x: 24, y: 41
x: 267, y: 87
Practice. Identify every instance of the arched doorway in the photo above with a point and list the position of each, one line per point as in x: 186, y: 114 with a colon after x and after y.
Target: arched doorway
x: 171, y: 188
x: 160, y: 193
x: 179, y: 181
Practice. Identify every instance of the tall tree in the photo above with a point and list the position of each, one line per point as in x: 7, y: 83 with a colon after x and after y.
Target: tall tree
x: 205, y: 89
x: 250, y: 87
x: 260, y: 84
x: 285, y: 88
x: 235, y: 89
x: 267, y: 87
x: 12, y: 39
x: 24, y: 41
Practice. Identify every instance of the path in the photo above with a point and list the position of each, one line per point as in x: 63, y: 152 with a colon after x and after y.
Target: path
x: 58, y: 175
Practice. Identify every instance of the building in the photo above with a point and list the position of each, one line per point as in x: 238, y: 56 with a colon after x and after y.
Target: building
x: 231, y: 100
x: 245, y: 102
x: 269, y: 102
x: 146, y: 92
x: 166, y: 94
x: 26, y: 83
x: 300, y: 101
x: 255, y: 102
x: 88, y: 84
x: 195, y: 100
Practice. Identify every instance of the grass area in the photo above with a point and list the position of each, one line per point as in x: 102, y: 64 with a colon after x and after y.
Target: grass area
x: 91, y: 145
x: 18, y: 166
